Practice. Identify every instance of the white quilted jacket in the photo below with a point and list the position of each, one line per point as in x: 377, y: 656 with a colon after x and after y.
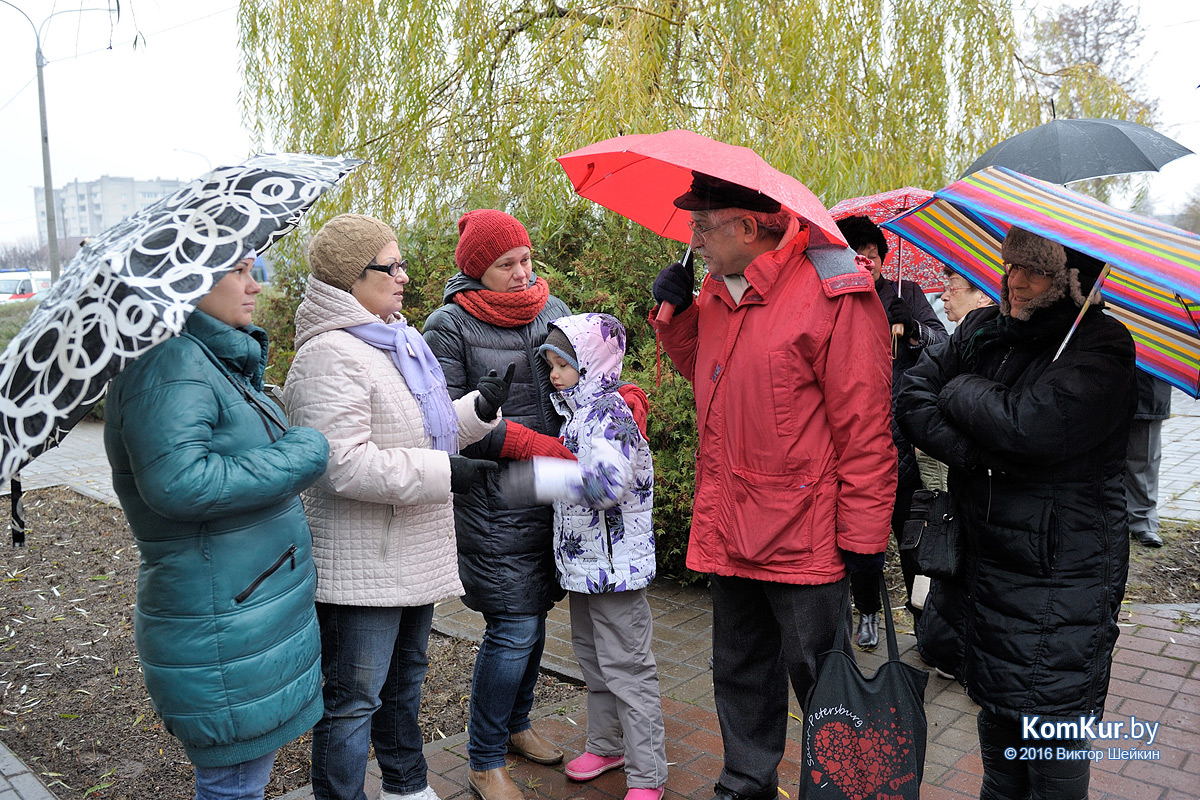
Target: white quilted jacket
x: 382, y: 516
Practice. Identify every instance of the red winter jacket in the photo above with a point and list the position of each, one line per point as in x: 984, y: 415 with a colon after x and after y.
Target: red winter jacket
x: 793, y: 402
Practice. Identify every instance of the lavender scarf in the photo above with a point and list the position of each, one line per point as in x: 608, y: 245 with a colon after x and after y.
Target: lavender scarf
x: 421, y: 372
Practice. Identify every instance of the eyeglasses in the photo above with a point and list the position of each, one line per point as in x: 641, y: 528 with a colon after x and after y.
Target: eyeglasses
x: 392, y: 268
x: 701, y: 232
x: 952, y: 289
x: 1033, y: 274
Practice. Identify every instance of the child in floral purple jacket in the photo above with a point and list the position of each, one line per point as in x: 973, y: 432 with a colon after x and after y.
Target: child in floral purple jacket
x: 604, y: 551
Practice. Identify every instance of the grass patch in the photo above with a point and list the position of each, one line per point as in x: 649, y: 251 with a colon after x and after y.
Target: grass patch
x: 12, y: 317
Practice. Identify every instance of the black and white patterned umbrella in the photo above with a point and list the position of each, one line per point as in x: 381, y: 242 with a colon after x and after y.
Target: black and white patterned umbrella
x: 133, y: 286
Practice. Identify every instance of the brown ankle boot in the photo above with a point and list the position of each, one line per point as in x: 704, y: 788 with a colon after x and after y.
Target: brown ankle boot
x: 529, y: 744
x: 494, y: 784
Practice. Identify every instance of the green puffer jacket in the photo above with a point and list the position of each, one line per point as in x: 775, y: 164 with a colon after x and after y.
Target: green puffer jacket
x: 225, y: 624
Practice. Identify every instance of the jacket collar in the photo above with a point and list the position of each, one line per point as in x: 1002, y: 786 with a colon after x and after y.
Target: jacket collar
x: 242, y: 351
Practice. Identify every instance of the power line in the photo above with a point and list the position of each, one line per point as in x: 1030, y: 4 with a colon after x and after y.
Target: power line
x: 18, y: 94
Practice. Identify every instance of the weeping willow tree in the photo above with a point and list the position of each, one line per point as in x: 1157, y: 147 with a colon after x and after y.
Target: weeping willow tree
x: 462, y: 103
x: 1087, y: 61
x: 467, y: 103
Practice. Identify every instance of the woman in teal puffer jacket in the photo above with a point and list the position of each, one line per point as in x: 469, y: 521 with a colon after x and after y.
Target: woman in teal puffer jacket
x: 209, y: 473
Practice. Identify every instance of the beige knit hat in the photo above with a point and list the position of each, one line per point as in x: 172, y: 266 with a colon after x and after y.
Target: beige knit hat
x: 341, y: 250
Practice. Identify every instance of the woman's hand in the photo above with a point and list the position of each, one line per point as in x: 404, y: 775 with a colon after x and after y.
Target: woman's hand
x: 493, y: 391
x: 466, y: 472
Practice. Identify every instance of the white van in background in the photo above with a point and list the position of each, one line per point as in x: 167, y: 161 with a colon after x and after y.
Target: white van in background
x: 21, y: 284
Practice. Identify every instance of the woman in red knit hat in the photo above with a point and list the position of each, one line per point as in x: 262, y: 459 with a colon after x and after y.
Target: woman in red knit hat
x: 497, y: 313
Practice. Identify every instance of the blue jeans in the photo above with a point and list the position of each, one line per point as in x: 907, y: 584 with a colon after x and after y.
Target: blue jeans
x: 244, y: 781
x: 374, y: 661
x: 506, y: 673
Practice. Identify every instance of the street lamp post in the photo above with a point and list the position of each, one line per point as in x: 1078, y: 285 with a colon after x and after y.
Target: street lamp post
x: 48, y: 182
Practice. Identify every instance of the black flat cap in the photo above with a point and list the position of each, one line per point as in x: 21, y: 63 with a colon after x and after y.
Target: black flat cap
x: 708, y: 193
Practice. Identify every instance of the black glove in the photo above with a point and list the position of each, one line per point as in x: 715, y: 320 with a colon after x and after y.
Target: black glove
x: 862, y: 562
x: 674, y: 285
x: 898, y: 313
x: 465, y: 472
x: 493, y: 391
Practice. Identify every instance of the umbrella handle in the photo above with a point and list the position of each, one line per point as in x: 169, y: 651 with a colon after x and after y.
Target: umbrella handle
x: 667, y: 310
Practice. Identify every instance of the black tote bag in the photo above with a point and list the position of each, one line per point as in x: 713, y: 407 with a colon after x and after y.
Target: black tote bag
x: 864, y: 738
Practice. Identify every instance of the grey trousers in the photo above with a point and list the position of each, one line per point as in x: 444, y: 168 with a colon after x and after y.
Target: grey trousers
x: 764, y: 634
x: 1143, y: 457
x: 612, y: 634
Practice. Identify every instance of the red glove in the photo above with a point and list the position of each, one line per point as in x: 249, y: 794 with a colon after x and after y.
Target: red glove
x: 522, y: 443
x: 638, y: 404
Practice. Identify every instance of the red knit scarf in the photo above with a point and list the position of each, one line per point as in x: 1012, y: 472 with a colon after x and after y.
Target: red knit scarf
x: 506, y: 309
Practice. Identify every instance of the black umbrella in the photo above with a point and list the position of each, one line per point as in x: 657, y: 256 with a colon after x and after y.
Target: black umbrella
x: 1065, y: 150
x: 133, y: 286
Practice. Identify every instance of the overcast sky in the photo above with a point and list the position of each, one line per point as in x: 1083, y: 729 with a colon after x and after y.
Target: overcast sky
x: 170, y: 108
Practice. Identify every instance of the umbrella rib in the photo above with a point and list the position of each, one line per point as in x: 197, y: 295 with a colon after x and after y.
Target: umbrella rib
x: 605, y: 176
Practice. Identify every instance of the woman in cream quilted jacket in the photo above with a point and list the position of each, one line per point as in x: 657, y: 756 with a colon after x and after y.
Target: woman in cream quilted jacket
x: 382, y: 518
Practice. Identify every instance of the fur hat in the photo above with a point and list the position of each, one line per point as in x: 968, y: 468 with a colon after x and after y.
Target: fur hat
x: 483, y: 236
x: 1028, y: 249
x: 341, y: 250
x: 708, y: 193
x: 859, y: 231
x: 557, y: 342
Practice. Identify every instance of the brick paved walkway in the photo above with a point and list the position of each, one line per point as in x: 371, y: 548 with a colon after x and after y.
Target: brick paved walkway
x: 1156, y: 678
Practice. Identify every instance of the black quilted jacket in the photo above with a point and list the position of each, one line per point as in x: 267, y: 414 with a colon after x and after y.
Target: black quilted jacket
x: 505, y: 553
x: 1036, y: 450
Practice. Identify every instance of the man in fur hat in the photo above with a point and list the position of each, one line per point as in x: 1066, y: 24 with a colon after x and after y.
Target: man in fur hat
x: 1036, y: 449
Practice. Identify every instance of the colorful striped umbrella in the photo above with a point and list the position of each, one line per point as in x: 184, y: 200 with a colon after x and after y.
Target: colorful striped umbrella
x: 1154, y: 285
x: 903, y: 263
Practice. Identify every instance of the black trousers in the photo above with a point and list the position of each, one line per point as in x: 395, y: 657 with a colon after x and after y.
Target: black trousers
x: 1009, y: 773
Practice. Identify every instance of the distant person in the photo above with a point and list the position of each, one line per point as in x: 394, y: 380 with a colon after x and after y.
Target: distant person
x: 914, y: 325
x: 1145, y: 457
x: 382, y: 517
x: 604, y: 550
x: 939, y: 626
x: 960, y: 297
x: 788, y: 354
x: 1036, y: 447
x: 209, y: 472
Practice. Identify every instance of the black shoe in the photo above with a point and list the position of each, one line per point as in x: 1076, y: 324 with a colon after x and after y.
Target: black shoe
x: 1147, y: 538
x: 721, y: 793
x: 867, y: 637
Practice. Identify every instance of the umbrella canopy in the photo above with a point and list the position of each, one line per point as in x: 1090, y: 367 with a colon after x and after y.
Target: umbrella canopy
x: 907, y: 263
x: 639, y: 175
x: 1154, y: 283
x: 134, y: 285
x: 1065, y: 150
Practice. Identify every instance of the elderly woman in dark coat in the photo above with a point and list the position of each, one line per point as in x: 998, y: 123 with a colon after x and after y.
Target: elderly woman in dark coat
x: 1036, y: 449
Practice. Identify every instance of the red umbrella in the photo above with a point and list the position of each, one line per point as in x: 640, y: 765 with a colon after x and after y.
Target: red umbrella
x: 638, y: 176
x: 904, y: 261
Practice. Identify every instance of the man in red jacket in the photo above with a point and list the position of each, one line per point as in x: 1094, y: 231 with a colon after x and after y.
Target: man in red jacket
x: 787, y: 350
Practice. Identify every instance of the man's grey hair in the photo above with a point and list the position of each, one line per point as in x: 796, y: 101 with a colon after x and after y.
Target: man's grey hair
x: 769, y: 225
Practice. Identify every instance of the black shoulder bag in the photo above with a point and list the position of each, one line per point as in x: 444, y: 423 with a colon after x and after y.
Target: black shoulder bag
x: 932, y: 534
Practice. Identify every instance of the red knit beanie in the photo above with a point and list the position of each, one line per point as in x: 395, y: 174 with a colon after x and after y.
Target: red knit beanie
x: 483, y: 236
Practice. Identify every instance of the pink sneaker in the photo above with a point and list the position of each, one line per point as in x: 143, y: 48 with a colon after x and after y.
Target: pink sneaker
x: 590, y: 765
x: 645, y: 794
